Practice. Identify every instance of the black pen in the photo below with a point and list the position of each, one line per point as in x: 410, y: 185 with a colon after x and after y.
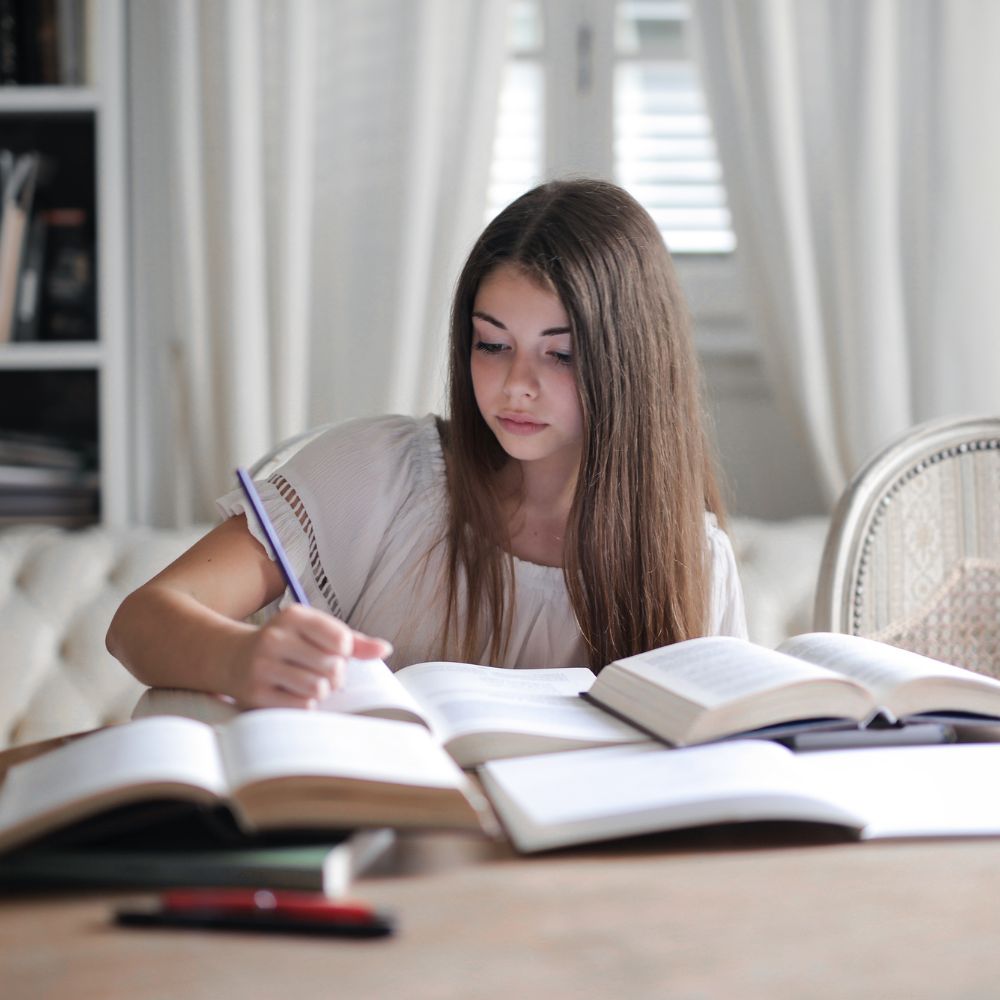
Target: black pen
x: 250, y: 491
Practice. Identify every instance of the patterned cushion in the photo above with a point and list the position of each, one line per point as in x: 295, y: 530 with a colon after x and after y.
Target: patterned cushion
x: 960, y: 622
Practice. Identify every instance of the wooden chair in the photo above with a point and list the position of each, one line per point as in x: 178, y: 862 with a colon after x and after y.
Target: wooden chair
x: 912, y: 556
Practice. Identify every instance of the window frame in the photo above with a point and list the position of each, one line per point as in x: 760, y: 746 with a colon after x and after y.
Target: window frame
x: 579, y: 60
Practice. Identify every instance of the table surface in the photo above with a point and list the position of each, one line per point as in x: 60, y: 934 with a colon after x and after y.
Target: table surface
x: 768, y: 910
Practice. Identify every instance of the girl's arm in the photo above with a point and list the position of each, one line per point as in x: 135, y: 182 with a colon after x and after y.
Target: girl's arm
x: 185, y: 628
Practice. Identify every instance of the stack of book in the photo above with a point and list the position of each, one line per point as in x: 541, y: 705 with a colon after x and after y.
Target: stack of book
x: 651, y: 747
x: 44, y: 480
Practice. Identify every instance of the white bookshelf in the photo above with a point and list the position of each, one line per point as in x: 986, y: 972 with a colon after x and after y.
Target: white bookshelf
x: 102, y: 102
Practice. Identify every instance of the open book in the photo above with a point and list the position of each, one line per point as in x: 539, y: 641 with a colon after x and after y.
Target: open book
x: 477, y: 713
x: 271, y: 771
x: 709, y: 688
x: 572, y: 798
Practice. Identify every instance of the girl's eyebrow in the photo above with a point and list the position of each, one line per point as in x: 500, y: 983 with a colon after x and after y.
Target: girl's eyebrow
x: 553, y: 331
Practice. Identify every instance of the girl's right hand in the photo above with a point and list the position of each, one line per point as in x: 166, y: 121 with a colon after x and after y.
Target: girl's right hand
x: 297, y: 658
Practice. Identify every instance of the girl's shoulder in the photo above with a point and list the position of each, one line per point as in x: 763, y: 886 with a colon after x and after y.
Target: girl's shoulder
x: 712, y: 527
x: 719, y: 542
x: 384, y: 448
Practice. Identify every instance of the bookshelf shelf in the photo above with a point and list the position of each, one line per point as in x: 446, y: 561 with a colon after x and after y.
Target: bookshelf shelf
x: 31, y: 100
x: 18, y: 357
x: 75, y: 388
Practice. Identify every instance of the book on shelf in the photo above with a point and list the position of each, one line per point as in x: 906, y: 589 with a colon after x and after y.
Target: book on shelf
x: 715, y: 687
x: 37, y: 493
x: 39, y: 478
x: 43, y: 42
x: 28, y: 303
x: 44, y: 480
x: 566, y: 799
x: 10, y: 45
x: 67, y: 293
x: 71, y: 41
x: 38, y: 449
x: 477, y: 713
x: 329, y: 866
x: 21, y: 174
x: 69, y: 522
x: 31, y: 505
x: 274, y: 772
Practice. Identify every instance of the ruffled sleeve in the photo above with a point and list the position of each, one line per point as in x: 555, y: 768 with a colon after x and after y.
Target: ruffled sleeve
x: 727, y: 612
x: 333, y: 503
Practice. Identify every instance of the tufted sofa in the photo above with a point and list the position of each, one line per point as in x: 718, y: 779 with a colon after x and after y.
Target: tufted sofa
x: 59, y: 589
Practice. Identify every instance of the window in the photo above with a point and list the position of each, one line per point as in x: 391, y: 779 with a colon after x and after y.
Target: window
x: 517, y: 147
x: 610, y: 89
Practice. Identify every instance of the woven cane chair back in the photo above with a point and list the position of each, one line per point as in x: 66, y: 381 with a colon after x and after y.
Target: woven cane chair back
x: 912, y: 556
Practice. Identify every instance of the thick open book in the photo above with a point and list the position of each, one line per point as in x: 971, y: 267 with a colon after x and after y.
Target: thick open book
x: 572, y: 798
x: 275, y: 771
x: 709, y: 688
x: 477, y: 713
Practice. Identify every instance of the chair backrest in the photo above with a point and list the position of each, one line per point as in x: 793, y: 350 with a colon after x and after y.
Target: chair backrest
x: 284, y: 450
x: 912, y: 556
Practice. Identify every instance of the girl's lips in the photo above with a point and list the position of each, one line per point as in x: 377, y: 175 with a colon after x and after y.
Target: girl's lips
x: 522, y: 427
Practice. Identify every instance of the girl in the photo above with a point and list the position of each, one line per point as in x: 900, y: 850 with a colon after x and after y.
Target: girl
x: 565, y: 513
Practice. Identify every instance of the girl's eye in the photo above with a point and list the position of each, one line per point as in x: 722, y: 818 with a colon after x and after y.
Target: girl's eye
x: 487, y: 347
x: 562, y: 357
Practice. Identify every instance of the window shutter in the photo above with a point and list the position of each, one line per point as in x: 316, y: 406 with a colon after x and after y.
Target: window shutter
x: 664, y: 153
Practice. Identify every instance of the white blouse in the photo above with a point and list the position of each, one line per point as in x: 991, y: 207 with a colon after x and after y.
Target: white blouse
x: 360, y: 510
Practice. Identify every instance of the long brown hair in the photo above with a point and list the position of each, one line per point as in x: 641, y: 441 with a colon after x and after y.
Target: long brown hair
x: 636, y: 558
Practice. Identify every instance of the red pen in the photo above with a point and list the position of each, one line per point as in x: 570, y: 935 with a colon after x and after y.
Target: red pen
x: 260, y: 910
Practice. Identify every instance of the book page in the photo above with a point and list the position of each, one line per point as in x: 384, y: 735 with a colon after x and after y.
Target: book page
x: 155, y: 751
x: 713, y: 671
x: 273, y: 743
x: 588, y: 795
x: 460, y: 698
x: 370, y: 687
x: 877, y: 665
x: 199, y: 705
x: 922, y: 791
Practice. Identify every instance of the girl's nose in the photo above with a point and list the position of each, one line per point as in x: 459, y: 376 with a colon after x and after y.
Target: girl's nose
x: 522, y: 380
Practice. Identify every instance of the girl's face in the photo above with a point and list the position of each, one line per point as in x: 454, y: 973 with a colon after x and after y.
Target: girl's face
x: 522, y: 369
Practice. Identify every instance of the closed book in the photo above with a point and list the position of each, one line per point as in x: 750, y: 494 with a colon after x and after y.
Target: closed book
x: 327, y: 866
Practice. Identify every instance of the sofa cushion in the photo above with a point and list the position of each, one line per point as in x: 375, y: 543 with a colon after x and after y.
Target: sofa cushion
x: 779, y: 566
x: 58, y: 592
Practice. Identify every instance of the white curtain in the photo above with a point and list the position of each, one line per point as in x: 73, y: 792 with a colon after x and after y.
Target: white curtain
x: 307, y: 177
x: 861, y: 149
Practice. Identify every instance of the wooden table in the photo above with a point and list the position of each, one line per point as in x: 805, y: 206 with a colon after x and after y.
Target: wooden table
x: 764, y: 912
